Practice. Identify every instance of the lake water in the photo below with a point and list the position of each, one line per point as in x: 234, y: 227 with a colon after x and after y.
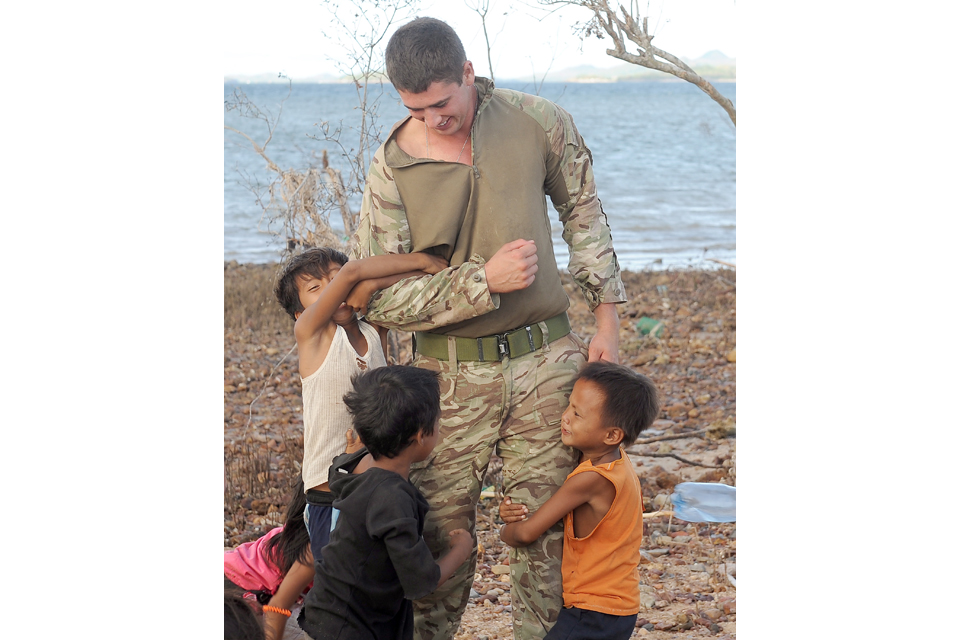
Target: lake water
x: 664, y: 161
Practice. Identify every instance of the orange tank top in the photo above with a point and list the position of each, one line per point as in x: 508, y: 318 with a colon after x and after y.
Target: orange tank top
x: 600, y: 571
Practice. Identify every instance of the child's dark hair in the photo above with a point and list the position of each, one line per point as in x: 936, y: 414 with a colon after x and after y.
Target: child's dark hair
x: 630, y: 399
x: 240, y: 621
x: 293, y: 543
x: 390, y: 405
x: 312, y: 262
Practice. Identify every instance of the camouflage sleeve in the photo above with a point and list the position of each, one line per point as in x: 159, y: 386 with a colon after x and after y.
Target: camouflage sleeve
x: 593, y: 262
x: 415, y: 304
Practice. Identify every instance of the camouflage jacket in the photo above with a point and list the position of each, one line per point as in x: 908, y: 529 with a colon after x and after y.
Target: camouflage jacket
x: 523, y: 148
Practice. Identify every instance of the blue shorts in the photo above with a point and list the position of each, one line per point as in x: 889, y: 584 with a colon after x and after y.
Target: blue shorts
x: 583, y: 624
x: 319, y: 520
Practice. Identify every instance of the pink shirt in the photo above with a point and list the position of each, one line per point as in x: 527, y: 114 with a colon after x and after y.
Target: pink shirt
x: 248, y: 567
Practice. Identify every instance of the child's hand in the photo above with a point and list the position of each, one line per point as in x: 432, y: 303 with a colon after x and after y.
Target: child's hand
x: 353, y: 442
x: 461, y: 543
x: 435, y: 264
x: 510, y: 512
x: 359, y: 296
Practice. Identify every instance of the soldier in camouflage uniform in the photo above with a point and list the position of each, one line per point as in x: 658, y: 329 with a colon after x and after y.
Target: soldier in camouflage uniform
x: 465, y: 177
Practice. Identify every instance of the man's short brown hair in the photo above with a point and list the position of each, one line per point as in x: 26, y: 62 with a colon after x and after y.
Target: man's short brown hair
x: 424, y: 51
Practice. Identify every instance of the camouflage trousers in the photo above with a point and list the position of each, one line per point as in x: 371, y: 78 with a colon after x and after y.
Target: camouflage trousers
x: 511, y: 407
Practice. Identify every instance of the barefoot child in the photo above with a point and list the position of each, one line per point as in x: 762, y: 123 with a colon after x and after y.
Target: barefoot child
x: 275, y: 569
x: 377, y: 560
x: 599, y: 502
x: 322, y: 291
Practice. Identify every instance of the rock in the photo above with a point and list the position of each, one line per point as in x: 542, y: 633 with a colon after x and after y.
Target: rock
x: 644, y: 357
x: 731, y: 355
x: 713, y: 614
x: 500, y: 569
x: 663, y: 626
x: 647, y: 600
x: 474, y: 594
x: 664, y: 448
x: 730, y: 608
x: 697, y: 567
x: 640, y: 622
x: 702, y: 400
x: 649, y: 627
x: 693, y: 413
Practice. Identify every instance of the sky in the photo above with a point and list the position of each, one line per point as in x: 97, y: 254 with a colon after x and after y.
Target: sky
x: 525, y: 38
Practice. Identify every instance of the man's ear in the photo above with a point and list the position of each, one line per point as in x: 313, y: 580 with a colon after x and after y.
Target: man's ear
x: 468, y: 74
x: 296, y: 316
x: 614, y: 436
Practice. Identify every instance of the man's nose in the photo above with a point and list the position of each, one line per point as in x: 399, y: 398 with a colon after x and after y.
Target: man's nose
x: 434, y: 118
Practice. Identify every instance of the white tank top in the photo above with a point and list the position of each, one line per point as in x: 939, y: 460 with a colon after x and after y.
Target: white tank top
x: 325, y: 416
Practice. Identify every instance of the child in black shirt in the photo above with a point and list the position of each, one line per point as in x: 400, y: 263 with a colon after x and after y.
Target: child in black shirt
x: 377, y: 561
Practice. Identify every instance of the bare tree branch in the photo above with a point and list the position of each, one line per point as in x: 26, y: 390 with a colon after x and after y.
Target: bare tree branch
x: 628, y: 26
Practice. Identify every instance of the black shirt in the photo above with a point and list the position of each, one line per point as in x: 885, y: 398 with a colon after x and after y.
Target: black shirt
x: 376, y: 560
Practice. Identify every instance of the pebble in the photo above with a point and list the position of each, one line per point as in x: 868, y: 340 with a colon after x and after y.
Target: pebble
x: 697, y: 567
x: 647, y: 601
x: 500, y: 569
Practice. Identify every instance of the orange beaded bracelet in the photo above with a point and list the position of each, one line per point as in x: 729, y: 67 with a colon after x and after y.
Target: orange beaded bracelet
x: 283, y: 612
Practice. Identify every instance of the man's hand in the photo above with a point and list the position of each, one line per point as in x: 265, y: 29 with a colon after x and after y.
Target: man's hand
x: 512, y: 267
x: 606, y: 344
x: 510, y: 512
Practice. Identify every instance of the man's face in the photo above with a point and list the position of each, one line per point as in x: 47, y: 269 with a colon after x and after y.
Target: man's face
x: 445, y: 107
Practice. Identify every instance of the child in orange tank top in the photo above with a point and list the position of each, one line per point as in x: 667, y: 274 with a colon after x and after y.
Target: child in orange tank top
x: 600, y: 504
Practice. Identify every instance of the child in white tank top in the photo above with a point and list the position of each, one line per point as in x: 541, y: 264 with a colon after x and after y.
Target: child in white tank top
x: 323, y: 292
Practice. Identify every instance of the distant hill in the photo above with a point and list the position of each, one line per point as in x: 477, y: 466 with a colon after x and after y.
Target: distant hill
x: 273, y: 78
x: 713, y: 65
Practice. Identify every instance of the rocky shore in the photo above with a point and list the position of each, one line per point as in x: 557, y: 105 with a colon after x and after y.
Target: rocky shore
x: 678, y: 328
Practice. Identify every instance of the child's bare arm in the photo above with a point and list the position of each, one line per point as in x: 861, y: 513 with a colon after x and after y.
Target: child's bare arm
x: 461, y: 544
x: 317, y: 317
x: 573, y: 493
x: 384, y: 332
x: 293, y: 584
x: 359, y: 297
